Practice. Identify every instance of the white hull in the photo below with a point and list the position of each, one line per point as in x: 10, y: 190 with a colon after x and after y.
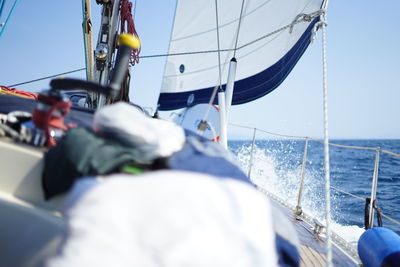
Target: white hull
x: 30, y: 227
x: 33, y: 227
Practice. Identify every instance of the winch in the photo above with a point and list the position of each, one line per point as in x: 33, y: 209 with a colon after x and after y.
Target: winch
x: 48, y: 116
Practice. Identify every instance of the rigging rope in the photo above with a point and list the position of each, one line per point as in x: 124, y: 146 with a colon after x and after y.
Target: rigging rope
x: 326, y: 145
x: 390, y: 219
x: 332, y: 144
x: 219, y: 49
x: 203, y: 121
x: 47, y: 77
x: 134, y: 10
x: 364, y: 200
x: 127, y: 9
x: 390, y: 153
x: 237, y: 35
x: 1, y: 8
x: 271, y: 133
x: 347, y: 193
x: 8, y: 17
x: 304, y: 18
x: 317, y: 140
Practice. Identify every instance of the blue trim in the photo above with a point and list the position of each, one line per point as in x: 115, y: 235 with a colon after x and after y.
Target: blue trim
x: 248, y: 89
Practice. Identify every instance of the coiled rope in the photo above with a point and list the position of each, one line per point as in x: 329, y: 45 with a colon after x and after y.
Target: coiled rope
x: 14, y: 92
x: 127, y: 19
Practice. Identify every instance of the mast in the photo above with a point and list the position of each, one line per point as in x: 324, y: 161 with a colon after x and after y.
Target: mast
x: 88, y: 39
x: 105, y: 47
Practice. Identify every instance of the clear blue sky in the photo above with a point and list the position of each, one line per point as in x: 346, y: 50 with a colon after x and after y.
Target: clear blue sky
x: 45, y: 37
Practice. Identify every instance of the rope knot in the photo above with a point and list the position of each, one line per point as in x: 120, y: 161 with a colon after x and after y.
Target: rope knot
x: 307, y: 18
x: 303, y: 17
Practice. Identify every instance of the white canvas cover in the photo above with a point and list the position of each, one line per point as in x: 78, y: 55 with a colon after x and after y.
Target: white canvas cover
x: 133, y: 128
x: 167, y: 218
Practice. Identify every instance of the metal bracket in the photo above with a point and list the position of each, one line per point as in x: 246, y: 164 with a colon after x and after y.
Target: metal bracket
x: 318, y: 227
x: 298, y: 211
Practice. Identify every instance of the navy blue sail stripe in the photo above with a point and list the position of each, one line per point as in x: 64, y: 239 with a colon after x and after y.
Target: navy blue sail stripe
x: 247, y: 89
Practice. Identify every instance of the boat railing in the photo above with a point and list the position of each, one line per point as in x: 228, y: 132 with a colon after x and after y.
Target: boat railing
x: 298, y: 209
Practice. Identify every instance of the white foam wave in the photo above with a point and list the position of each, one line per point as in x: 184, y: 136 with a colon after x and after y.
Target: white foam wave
x: 267, y: 173
x: 350, y: 233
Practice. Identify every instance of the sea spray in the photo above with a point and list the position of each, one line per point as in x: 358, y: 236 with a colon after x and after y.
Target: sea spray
x: 276, y: 168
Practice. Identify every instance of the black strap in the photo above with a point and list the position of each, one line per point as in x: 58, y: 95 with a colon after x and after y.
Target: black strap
x: 366, y: 213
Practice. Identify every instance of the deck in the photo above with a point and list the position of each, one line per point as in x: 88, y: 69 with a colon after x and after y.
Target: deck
x: 312, y: 250
x: 310, y: 257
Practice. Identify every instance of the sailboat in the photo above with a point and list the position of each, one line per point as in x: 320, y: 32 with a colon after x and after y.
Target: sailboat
x: 213, y: 59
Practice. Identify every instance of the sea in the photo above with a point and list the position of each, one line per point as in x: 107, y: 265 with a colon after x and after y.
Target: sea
x: 277, y: 164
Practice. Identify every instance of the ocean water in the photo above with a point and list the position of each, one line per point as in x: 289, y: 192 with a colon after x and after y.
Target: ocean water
x: 277, y: 168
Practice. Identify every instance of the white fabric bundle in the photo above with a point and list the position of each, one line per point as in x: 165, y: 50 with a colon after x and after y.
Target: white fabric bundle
x: 131, y: 127
x: 169, y: 219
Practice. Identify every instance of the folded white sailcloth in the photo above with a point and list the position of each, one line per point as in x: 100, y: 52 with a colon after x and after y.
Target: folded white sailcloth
x: 131, y: 127
x: 167, y: 218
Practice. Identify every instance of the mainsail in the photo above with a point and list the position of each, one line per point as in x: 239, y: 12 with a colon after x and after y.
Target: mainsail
x: 267, y: 38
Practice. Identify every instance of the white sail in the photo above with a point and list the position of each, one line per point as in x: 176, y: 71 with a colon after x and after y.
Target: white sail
x: 267, y: 48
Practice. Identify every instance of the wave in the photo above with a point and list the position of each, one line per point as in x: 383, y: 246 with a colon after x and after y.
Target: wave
x: 279, y: 173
